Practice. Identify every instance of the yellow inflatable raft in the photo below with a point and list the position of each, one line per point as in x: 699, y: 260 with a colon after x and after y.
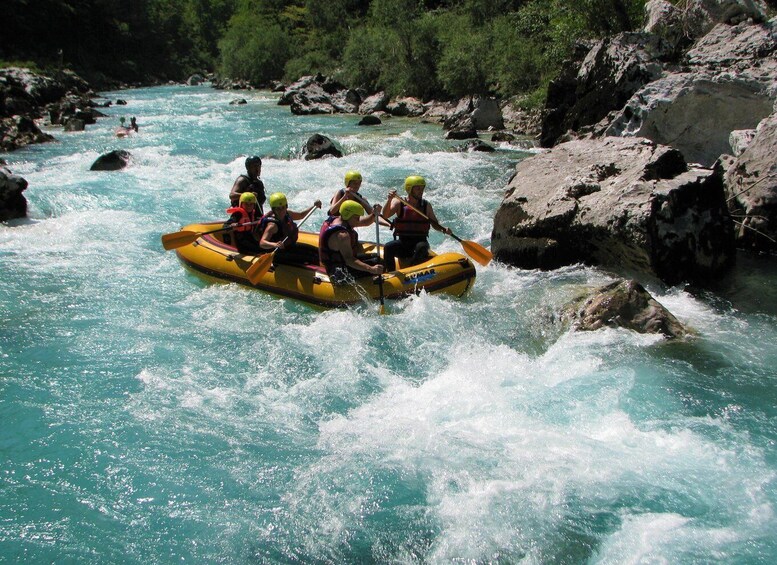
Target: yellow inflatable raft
x: 448, y: 273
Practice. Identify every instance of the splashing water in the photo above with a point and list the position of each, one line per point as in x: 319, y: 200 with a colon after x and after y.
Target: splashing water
x: 150, y: 415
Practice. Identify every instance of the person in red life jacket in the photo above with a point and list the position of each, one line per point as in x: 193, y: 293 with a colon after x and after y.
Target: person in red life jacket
x: 338, y: 245
x: 245, y: 238
x: 279, y: 232
x: 353, y: 181
x: 250, y: 183
x: 411, y: 229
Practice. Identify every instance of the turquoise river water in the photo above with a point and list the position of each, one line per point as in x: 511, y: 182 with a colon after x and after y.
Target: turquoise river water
x: 150, y: 416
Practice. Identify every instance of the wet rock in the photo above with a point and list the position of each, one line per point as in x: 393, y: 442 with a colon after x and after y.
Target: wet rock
x: 74, y: 124
x: 476, y: 145
x: 319, y: 146
x: 370, y: 120
x: 622, y: 304
x: 112, y: 161
x: 12, y: 203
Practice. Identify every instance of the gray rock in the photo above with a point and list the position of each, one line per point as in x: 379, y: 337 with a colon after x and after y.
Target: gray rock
x: 611, y: 72
x: 739, y: 140
x: 74, y: 124
x: 406, y: 106
x: 751, y: 190
x: 624, y: 204
x: 730, y: 84
x: 622, y: 304
x: 319, y: 146
x: 375, y: 103
x: 19, y: 131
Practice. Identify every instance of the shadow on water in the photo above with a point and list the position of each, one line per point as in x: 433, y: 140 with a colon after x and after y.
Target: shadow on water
x: 749, y: 287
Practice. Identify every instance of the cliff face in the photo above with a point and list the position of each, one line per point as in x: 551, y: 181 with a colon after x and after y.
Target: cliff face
x: 699, y: 99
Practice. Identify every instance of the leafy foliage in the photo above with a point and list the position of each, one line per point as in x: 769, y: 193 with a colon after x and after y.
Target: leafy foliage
x: 425, y: 48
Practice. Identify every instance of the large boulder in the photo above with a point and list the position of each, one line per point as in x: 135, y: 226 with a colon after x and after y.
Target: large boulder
x: 111, y: 161
x: 12, y: 203
x: 625, y: 204
x: 318, y: 146
x: 751, y: 189
x: 319, y: 95
x: 729, y: 82
x: 622, y: 304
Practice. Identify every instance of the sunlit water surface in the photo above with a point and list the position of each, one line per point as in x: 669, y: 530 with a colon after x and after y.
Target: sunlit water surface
x: 150, y: 416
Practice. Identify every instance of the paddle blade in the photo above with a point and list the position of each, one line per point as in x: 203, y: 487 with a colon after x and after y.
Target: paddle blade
x: 479, y: 253
x: 256, y: 271
x: 382, y: 310
x: 179, y: 239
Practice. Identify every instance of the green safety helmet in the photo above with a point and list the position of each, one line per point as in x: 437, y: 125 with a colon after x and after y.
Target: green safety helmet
x: 412, y: 181
x: 249, y: 197
x: 349, y: 209
x: 352, y: 175
x: 278, y: 199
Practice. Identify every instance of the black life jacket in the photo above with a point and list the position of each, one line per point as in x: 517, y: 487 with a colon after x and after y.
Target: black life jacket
x: 257, y: 187
x: 329, y: 258
x: 286, y: 228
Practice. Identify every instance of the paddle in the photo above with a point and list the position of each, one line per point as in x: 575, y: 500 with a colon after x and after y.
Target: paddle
x: 256, y: 271
x: 377, y: 251
x: 185, y: 237
x: 474, y: 250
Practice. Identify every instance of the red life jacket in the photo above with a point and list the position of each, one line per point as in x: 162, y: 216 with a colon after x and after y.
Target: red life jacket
x: 286, y: 228
x: 243, y: 217
x: 328, y: 258
x: 410, y: 223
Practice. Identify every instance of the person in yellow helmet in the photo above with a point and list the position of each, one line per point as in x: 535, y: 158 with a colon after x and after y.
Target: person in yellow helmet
x: 279, y: 232
x: 411, y: 229
x: 243, y: 220
x: 353, y: 182
x: 338, y: 245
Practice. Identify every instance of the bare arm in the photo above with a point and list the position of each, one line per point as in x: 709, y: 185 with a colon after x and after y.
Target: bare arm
x: 270, y: 231
x: 237, y: 189
x: 299, y: 215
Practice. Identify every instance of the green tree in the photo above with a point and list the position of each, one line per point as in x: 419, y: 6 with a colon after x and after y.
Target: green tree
x: 254, y: 49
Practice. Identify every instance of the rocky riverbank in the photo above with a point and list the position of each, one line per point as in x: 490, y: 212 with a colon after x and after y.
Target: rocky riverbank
x: 675, y: 159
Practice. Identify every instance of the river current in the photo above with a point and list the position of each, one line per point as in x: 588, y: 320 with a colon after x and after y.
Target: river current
x: 151, y: 416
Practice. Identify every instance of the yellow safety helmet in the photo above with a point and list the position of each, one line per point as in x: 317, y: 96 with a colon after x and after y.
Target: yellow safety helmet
x: 249, y: 197
x: 352, y: 175
x: 412, y: 181
x: 349, y: 209
x: 278, y: 199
